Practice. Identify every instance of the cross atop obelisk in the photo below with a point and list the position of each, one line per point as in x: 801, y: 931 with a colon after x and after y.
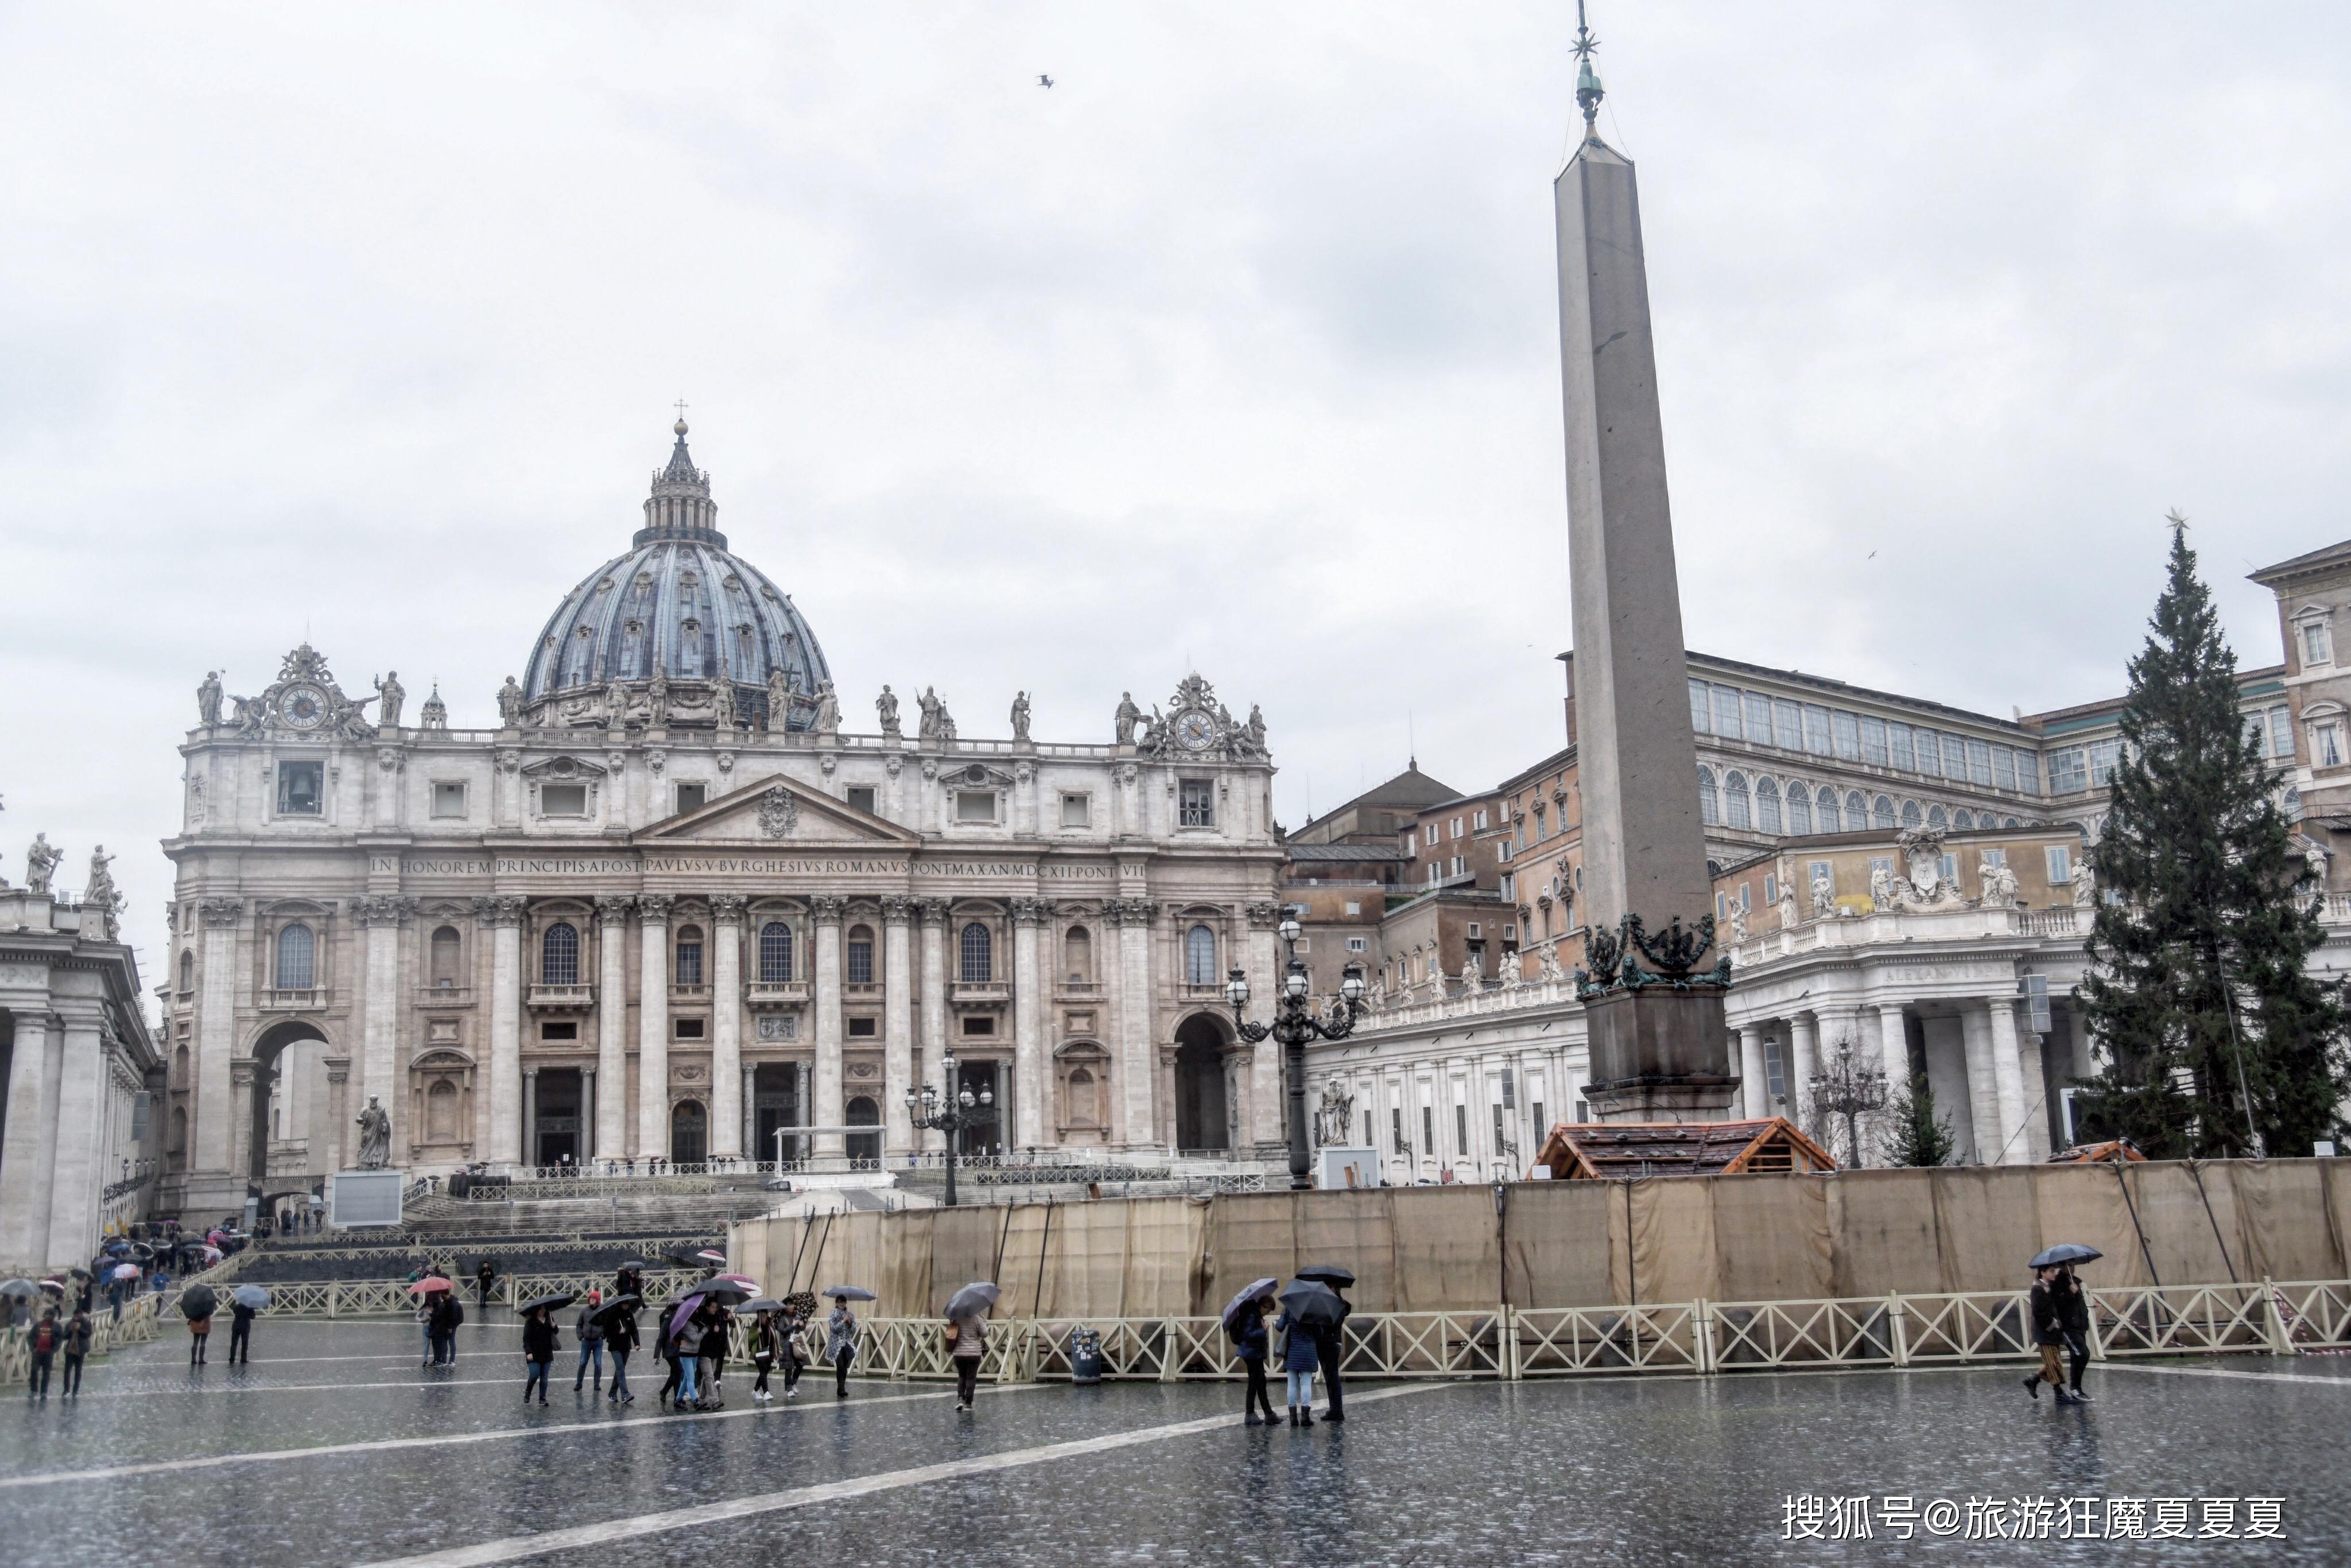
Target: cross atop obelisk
x: 1653, y: 995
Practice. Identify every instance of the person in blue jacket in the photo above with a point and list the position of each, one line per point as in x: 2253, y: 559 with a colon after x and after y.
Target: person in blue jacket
x: 1249, y: 1343
x: 1297, y: 1360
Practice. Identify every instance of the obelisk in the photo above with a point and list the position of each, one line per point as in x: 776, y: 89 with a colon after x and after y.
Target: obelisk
x: 1653, y: 995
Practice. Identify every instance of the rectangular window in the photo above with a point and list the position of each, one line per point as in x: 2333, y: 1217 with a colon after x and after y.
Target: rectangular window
x: 1774, y: 1074
x: 1898, y: 746
x: 1955, y: 758
x: 1816, y: 731
x: 860, y: 953
x: 138, y: 1107
x: 449, y: 799
x: 1951, y: 869
x: 2314, y: 647
x: 1770, y: 888
x: 1196, y: 803
x: 1509, y: 884
x: 1358, y: 945
x: 1460, y: 1130
x: 2104, y: 756
x: 1395, y: 1128
x: 1787, y: 725
x: 975, y: 1024
x: 864, y: 1028
x: 563, y: 800
x: 1930, y: 754
x: 2068, y: 771
x: 1997, y: 857
x: 1848, y: 735
x: 689, y: 797
x: 974, y: 805
x: 2004, y: 767
x: 301, y: 789
x: 1477, y: 930
x: 1759, y: 718
x: 1353, y: 907
x: 2036, y: 1003
x: 2060, y: 864
x: 1456, y: 828
x: 1535, y: 1109
x: 1498, y: 1130
x: 690, y: 1028
x: 1701, y: 708
x: 2326, y: 745
x: 1872, y: 741
x: 1726, y: 714
x: 865, y: 798
x: 689, y: 961
x: 2028, y: 773
x: 1427, y: 1131
x: 2281, y: 733
x: 1722, y: 908
x: 1460, y: 866
x: 2257, y: 733
x: 1478, y: 822
x: 558, y: 1031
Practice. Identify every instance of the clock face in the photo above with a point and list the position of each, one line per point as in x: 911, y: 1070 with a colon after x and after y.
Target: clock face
x: 302, y: 708
x: 1194, y: 730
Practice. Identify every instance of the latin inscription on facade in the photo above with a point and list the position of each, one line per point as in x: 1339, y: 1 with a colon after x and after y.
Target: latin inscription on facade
x: 722, y: 866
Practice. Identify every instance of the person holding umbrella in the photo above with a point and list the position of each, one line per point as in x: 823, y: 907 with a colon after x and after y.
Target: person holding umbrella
x: 967, y: 1316
x: 1330, y: 1346
x: 619, y: 1320
x: 1245, y: 1319
x: 241, y: 1315
x: 538, y: 1342
x: 448, y: 1312
x: 486, y: 1272
x: 711, y: 1353
x: 199, y: 1303
x: 590, y: 1332
x: 1307, y: 1304
x: 2060, y: 1320
x: 75, y: 1346
x: 798, y: 1308
x: 841, y: 1332
x: 764, y: 1345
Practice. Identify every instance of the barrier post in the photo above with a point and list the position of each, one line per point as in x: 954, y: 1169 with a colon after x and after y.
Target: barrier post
x: 2281, y: 1339
x: 2097, y: 1341
x: 1509, y: 1331
x: 1701, y: 1337
x: 334, y: 1296
x: 1894, y: 1333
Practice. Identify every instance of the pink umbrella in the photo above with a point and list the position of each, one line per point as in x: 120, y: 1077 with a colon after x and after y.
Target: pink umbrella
x: 126, y: 1271
x: 744, y: 1280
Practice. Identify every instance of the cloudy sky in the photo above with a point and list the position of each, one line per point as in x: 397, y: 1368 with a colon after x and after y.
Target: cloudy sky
x: 1236, y: 349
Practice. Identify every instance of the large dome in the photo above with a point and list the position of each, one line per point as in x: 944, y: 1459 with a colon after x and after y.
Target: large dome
x: 678, y: 602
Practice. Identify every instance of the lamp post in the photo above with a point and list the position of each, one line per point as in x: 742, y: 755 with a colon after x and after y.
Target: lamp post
x: 1844, y: 1090
x: 1294, y: 1023
x: 950, y: 1112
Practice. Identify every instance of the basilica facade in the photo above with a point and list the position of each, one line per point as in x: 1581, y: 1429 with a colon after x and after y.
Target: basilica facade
x: 674, y: 908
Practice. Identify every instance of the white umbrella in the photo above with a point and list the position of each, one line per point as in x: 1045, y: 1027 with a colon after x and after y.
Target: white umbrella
x: 126, y: 1271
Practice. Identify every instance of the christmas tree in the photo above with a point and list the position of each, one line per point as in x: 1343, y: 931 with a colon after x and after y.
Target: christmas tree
x: 1914, y: 1135
x: 2217, y: 1040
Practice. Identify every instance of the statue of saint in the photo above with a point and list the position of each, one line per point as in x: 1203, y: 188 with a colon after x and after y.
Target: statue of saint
x: 41, y: 863
x: 1789, y: 912
x: 1020, y: 717
x: 375, y: 1137
x: 657, y: 700
x: 780, y: 700
x: 722, y: 706
x: 828, y: 709
x: 1129, y: 715
x: 510, y: 704
x: 1881, y: 888
x: 616, y: 708
x: 2085, y: 883
x: 1738, y: 923
x: 393, y: 695
x: 1823, y: 895
x: 886, y: 704
x: 99, y: 890
x: 1256, y: 730
x: 208, y: 698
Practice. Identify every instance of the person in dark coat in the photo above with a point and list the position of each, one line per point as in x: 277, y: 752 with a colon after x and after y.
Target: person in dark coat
x: 765, y: 1343
x: 200, y: 1334
x: 538, y: 1337
x: 483, y: 1276
x: 841, y: 1332
x: 1330, y: 1346
x: 240, y: 1333
x: 591, y: 1336
x: 1298, y: 1358
x: 620, y: 1339
x: 77, y: 1348
x: 447, y: 1313
x: 42, y: 1340
x: 2051, y: 1310
x: 666, y: 1347
x: 710, y: 1325
x: 1252, y: 1344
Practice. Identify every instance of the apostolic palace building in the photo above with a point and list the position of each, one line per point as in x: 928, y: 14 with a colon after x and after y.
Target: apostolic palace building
x: 671, y: 906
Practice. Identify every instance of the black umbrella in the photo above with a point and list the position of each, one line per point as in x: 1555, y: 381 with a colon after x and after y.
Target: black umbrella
x: 722, y: 1291
x: 617, y: 1307
x: 1312, y: 1303
x: 632, y: 1263
x: 762, y: 1304
x: 1331, y: 1274
x: 19, y: 1289
x: 851, y: 1293
x: 198, y: 1302
x: 974, y: 1300
x: 555, y: 1298
x: 2065, y: 1252
x: 685, y: 1262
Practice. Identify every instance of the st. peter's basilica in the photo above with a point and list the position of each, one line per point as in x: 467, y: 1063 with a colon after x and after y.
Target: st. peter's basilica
x: 670, y: 907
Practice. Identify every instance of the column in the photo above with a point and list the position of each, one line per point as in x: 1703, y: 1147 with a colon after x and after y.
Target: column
x: 1028, y: 1027
x: 2029, y: 1057
x: 932, y: 912
x: 1268, y: 1099
x: 1804, y: 1060
x: 1136, y: 1012
x: 216, y: 1038
x: 242, y: 1133
x: 586, y: 1118
x: 1984, y: 1090
x: 1894, y: 1047
x: 612, y: 1024
x: 652, y: 1026
x: 28, y: 1155
x: 339, y: 1114
x: 74, y: 1196
x: 800, y: 1107
x: 529, y: 1116
x: 727, y: 1029
x: 897, y: 1026
x: 381, y: 917
x: 750, y: 1100
x: 2008, y: 1081
x: 503, y: 918
x: 830, y: 1111
x: 1754, y: 1075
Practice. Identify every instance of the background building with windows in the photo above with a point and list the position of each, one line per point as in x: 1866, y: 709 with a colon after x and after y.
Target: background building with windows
x: 670, y: 907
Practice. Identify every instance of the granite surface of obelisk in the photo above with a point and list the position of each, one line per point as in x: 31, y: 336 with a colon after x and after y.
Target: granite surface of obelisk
x: 1659, y: 1047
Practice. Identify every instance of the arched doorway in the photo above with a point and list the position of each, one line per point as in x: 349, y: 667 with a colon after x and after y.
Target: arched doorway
x: 689, y: 1133
x: 1201, y: 1117
x: 865, y: 1113
x: 289, y: 1101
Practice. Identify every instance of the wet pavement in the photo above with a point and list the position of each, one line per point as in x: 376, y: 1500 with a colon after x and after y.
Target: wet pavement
x: 334, y: 1447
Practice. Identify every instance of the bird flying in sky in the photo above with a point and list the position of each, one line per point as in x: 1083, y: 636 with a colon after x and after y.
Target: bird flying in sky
x: 1044, y: 81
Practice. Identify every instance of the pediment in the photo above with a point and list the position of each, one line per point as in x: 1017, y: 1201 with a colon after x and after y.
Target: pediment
x: 778, y: 810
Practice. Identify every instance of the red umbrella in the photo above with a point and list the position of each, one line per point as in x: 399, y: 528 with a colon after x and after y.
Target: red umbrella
x: 430, y: 1282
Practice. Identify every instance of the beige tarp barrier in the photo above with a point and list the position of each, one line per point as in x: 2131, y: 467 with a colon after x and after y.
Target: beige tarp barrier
x: 1355, y: 1230
x: 1771, y: 1239
x: 1164, y: 1269
x: 1448, y: 1248
x: 1249, y: 1237
x: 1085, y: 1260
x: 1882, y: 1235
x: 1555, y: 1243
x: 2187, y: 1243
x: 1673, y: 1242
x: 2334, y: 1177
x: 2086, y: 1204
x: 2281, y: 1207
x: 1988, y: 1226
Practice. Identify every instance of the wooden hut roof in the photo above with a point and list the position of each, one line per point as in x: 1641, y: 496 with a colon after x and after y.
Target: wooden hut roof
x: 2117, y: 1150
x: 1586, y: 1151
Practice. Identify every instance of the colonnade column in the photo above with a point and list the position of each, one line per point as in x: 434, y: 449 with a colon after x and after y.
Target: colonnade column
x: 1893, y: 1046
x: 28, y: 1155
x: 504, y: 916
x: 82, y: 1084
x: 612, y: 913
x: 1804, y: 1060
x: 1028, y: 1027
x: 726, y: 1028
x: 381, y: 916
x: 1754, y: 1075
x: 652, y: 1026
x: 2008, y: 1081
x: 529, y: 1117
x: 932, y: 912
x: 830, y: 1110
x: 216, y: 1038
x: 1136, y: 1012
x: 585, y: 1118
x: 1983, y: 1091
x: 750, y: 1116
x: 897, y: 1024
x: 1268, y: 1099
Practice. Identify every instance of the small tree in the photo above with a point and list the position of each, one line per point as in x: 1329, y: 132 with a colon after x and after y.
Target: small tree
x: 2218, y: 1039
x: 1914, y: 1135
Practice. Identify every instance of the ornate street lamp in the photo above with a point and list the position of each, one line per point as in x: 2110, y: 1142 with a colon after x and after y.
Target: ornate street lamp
x: 1845, y: 1090
x: 1294, y: 1023
x: 950, y: 1113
